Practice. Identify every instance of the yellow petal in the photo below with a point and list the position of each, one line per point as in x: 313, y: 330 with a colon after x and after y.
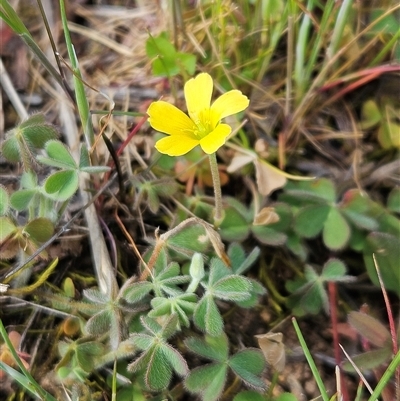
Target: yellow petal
x: 198, y: 93
x: 229, y: 103
x: 167, y: 118
x: 176, y: 145
x: 213, y: 141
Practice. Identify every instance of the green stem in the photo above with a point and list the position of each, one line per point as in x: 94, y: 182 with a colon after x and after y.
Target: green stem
x: 218, y: 213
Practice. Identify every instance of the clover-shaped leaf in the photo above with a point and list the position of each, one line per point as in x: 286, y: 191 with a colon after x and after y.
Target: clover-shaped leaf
x: 58, y: 155
x: 221, y: 284
x: 209, y: 380
x: 158, y: 358
x: 310, y: 220
x: 164, y: 281
x: 309, y: 294
x: 241, y: 263
x: 336, y: 232
x: 14, y: 238
x: 207, y: 316
x: 183, y: 305
x: 249, y: 364
x: 153, y: 191
x: 22, y: 142
x: 240, y: 222
x: 166, y: 61
x: 319, y: 191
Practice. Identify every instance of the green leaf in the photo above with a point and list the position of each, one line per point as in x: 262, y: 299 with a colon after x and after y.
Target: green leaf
x: 256, y: 291
x: 151, y: 325
x: 10, y: 149
x: 4, y: 201
x: 386, y: 248
x: 207, y: 317
x: 393, y: 202
x: 158, y: 372
x: 142, y: 341
x: 314, y: 299
x: 214, y: 348
x: 22, y: 140
x: 39, y: 229
x: 295, y: 244
x: 250, y: 396
x: 84, y: 159
x: 319, y: 191
x: 370, y: 114
x: 370, y: 328
x: 96, y: 296
x: 361, y: 220
x: 29, y: 180
x: 137, y: 291
x: 168, y: 280
x: 208, y: 380
x: 170, y: 326
x: 140, y: 363
x: 57, y: 151
x: 187, y: 62
x: 196, y: 269
x: 310, y: 220
x: 241, y: 263
x: 218, y: 270
x: 39, y: 135
x: 368, y: 360
x: 248, y: 365
x: 21, y: 199
x: 166, y: 60
x: 95, y: 169
x: 336, y: 232
x: 62, y: 185
x: 286, y: 397
x: 183, y: 305
x: 237, y: 256
x: 333, y: 269
x: 175, y: 359
x: 161, y: 306
x: 159, y: 45
x: 268, y: 236
x: 234, y: 227
x: 309, y: 294
x: 389, y: 24
x: 99, y: 324
x: 86, y: 352
x: 189, y: 240
x: 232, y: 288
x: 31, y: 121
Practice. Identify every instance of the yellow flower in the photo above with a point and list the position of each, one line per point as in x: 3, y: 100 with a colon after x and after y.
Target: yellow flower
x: 202, y: 126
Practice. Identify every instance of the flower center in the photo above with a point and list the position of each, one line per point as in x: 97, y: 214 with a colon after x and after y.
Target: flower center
x: 202, y: 125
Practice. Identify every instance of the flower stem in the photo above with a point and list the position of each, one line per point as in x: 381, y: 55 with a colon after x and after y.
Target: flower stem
x: 218, y: 212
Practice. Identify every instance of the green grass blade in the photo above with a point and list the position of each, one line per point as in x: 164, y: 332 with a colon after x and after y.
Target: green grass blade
x: 310, y: 361
x: 319, y: 40
x: 10, y: 17
x: 8, y: 14
x: 394, y: 365
x: 24, y: 378
x: 341, y: 20
x: 386, y: 49
x: 81, y: 99
x: 301, y: 51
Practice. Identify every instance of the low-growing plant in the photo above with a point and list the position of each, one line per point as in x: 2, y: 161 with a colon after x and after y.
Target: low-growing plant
x: 157, y: 324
